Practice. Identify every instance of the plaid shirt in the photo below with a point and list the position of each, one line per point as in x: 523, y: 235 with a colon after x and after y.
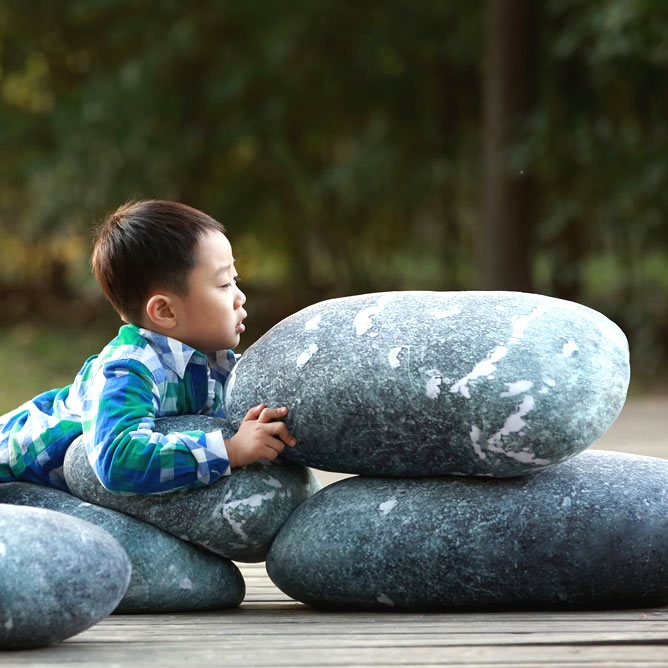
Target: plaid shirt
x: 113, y: 402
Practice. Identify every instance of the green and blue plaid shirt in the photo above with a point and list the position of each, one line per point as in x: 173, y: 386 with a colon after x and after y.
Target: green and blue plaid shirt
x: 113, y: 402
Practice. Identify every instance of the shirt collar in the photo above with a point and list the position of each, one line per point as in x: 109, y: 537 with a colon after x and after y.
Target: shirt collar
x: 173, y: 354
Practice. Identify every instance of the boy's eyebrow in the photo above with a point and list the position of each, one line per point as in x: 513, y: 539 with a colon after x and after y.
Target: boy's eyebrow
x: 224, y: 268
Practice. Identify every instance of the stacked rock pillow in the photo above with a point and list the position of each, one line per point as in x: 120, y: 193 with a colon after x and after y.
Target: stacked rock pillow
x: 59, y: 576
x: 168, y: 574
x: 463, y: 415
x: 162, y: 553
x: 236, y: 518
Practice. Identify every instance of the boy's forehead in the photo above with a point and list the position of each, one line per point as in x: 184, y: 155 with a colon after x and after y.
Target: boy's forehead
x: 216, y: 252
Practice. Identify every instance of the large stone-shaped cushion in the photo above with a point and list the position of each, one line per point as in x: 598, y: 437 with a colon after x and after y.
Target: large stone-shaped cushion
x: 237, y: 517
x: 59, y: 575
x: 168, y: 574
x: 431, y: 383
x: 591, y: 532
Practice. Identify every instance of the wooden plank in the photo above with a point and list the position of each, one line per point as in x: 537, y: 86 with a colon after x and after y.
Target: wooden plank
x: 147, y: 652
x: 285, y: 638
x: 289, y: 624
x: 391, y: 639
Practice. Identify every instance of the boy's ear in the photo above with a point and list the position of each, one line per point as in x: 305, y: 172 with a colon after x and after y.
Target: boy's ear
x: 161, y: 312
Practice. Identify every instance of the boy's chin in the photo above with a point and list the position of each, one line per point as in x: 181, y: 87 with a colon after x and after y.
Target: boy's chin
x: 215, y: 347
x: 231, y: 343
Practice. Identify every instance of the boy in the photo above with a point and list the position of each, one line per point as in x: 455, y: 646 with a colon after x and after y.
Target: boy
x: 168, y: 270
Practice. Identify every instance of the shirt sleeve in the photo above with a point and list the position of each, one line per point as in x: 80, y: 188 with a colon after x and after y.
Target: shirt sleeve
x: 127, y: 455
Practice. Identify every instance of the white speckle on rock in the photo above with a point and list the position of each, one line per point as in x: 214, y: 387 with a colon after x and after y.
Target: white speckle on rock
x: 393, y: 357
x: 566, y: 503
x: 186, y: 583
x: 253, y: 501
x: 515, y: 422
x: 433, y: 387
x: 313, y: 324
x: 521, y: 322
x: 385, y: 599
x: 526, y: 457
x: 518, y: 387
x: 272, y: 482
x: 569, y: 348
x: 475, y: 434
x: 447, y: 313
x: 9, y: 624
x: 484, y: 368
x: 362, y: 321
x: 307, y: 354
x: 547, y: 384
x: 84, y: 504
x: 385, y: 507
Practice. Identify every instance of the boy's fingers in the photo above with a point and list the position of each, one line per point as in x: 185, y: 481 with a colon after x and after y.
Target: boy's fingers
x: 276, y: 445
x: 286, y: 436
x: 254, y: 412
x: 279, y: 439
x: 269, y: 414
x: 280, y: 434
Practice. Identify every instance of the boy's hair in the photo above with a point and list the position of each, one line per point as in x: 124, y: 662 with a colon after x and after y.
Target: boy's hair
x: 144, y: 246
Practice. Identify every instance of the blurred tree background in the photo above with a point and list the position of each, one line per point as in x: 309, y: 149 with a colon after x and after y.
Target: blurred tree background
x: 347, y: 147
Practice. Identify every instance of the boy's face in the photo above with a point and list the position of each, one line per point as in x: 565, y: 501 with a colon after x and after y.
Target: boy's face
x: 210, y: 316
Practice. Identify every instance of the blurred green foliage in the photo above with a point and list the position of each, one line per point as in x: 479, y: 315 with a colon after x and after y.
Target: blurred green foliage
x: 340, y: 144
x: 35, y: 359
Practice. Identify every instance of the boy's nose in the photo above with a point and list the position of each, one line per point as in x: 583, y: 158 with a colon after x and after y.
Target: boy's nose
x: 241, y: 297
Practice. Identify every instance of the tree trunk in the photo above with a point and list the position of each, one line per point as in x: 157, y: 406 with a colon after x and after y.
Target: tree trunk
x: 505, y: 230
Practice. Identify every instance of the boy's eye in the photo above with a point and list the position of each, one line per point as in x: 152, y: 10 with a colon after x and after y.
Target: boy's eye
x: 236, y: 280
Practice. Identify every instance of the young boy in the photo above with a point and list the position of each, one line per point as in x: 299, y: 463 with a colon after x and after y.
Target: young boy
x: 168, y: 270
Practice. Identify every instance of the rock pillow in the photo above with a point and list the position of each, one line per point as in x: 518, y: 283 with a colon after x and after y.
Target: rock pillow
x: 591, y: 532
x: 236, y: 517
x: 430, y: 383
x: 168, y: 574
x: 59, y: 575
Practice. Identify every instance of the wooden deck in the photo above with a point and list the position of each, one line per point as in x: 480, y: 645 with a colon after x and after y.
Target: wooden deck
x: 270, y: 629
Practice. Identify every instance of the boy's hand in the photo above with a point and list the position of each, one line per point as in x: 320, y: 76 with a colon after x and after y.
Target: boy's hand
x: 259, y: 436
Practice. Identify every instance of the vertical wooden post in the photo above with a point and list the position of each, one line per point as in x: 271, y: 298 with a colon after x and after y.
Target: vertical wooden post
x: 505, y: 230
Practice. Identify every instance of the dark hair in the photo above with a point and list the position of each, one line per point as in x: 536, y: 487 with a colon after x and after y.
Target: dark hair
x: 144, y: 246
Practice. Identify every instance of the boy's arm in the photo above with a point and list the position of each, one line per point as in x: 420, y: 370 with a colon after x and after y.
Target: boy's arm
x: 126, y: 453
